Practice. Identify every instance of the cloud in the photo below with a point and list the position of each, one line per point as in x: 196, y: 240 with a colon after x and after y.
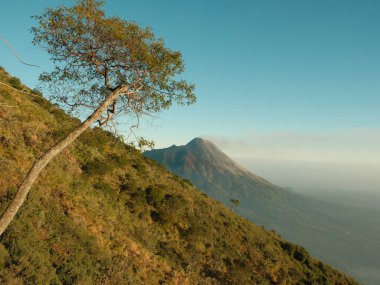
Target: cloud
x: 345, y: 146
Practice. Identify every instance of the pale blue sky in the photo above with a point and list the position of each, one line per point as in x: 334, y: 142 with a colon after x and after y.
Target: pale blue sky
x: 261, y: 67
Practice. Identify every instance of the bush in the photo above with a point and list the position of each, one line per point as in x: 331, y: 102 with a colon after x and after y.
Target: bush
x: 154, y: 195
x: 136, y: 164
x: 4, y: 256
x: 59, y: 114
x: 95, y: 138
x: 130, y: 186
x: 297, y: 252
x: 97, y: 167
x: 59, y: 133
x: 195, y: 232
x: 138, y: 201
x: 186, y: 182
x: 36, y: 92
x: 15, y: 82
x: 120, y: 160
x: 42, y: 102
x: 170, y: 207
x: 301, y: 254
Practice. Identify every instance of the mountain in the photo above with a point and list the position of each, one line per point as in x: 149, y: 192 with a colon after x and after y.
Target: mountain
x: 217, y: 175
x: 346, y: 237
x: 102, y: 213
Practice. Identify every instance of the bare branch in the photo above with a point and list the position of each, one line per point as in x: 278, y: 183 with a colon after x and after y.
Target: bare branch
x: 135, y: 126
x: 15, y: 53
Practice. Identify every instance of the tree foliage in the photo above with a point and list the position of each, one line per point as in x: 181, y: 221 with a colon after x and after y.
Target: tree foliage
x: 95, y: 55
x: 106, y: 66
x: 235, y: 202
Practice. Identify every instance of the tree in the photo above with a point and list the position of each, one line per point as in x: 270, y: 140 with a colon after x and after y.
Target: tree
x: 105, y: 67
x: 235, y: 203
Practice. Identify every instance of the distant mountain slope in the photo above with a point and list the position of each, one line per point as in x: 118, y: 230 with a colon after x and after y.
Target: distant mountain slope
x: 101, y: 213
x: 348, y: 238
x: 217, y: 175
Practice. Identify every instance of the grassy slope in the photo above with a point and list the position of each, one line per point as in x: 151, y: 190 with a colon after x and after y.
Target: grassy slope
x: 101, y: 213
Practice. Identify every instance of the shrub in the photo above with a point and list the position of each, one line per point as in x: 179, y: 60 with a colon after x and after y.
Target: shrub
x: 154, y: 195
x: 94, y: 138
x: 300, y: 254
x: 4, y: 256
x: 36, y: 92
x: 186, y: 182
x: 130, y: 186
x: 59, y: 133
x: 297, y: 252
x: 155, y: 216
x: 288, y: 247
x: 140, y: 168
x: 59, y: 114
x: 120, y: 160
x: 138, y: 201
x: 195, y: 232
x: 15, y: 82
x: 103, y: 186
x: 42, y: 102
x: 97, y: 167
x: 169, y: 209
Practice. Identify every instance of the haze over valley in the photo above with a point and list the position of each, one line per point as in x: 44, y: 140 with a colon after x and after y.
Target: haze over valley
x: 355, y: 185
x: 342, y: 167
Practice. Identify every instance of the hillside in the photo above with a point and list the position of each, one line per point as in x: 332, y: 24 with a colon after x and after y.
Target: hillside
x: 102, y: 213
x: 346, y: 237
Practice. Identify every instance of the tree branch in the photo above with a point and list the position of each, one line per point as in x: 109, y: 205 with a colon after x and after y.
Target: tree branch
x: 15, y: 53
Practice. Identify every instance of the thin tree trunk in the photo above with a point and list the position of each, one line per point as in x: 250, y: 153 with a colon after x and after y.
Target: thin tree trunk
x: 40, y: 164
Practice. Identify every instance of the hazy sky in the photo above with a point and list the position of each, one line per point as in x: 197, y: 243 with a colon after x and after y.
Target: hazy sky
x: 311, y: 162
x: 279, y: 80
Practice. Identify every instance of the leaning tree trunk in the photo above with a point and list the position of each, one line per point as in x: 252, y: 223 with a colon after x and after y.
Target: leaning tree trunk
x: 40, y: 164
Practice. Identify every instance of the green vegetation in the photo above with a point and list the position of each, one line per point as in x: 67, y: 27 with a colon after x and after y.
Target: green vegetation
x: 101, y: 213
x: 103, y: 67
x: 15, y: 83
